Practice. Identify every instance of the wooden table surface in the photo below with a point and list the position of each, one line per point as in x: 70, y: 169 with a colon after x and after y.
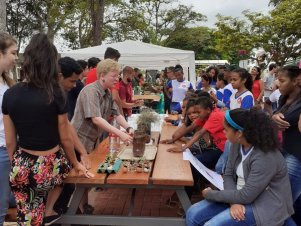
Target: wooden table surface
x: 96, y: 156
x: 170, y: 168
x: 132, y: 178
x: 167, y: 169
x: 147, y: 97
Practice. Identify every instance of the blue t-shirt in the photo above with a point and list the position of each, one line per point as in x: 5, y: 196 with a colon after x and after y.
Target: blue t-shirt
x: 220, y: 94
x: 228, y: 90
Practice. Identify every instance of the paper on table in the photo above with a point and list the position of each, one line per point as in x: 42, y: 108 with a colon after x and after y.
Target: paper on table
x: 213, y: 177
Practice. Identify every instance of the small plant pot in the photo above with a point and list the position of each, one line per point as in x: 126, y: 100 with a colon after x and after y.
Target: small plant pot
x: 139, y: 141
x: 146, y: 128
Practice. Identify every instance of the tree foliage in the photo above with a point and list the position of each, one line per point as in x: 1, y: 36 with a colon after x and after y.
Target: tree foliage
x: 279, y: 33
x: 151, y: 21
x: 199, y: 39
x: 49, y: 16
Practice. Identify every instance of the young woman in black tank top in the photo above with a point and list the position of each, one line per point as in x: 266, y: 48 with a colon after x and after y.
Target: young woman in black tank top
x: 35, y: 120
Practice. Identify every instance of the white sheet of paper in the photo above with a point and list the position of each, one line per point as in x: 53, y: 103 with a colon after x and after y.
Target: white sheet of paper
x: 213, y: 177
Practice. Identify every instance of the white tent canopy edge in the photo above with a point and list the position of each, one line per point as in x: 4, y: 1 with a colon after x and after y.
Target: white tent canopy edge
x: 142, y: 55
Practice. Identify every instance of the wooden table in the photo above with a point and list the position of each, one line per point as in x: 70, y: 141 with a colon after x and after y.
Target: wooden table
x: 170, y: 171
x: 153, y: 97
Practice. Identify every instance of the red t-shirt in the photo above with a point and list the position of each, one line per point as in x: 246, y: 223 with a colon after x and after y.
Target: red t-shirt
x: 91, y: 76
x: 256, y: 89
x: 126, y: 93
x: 215, y: 126
x: 199, y: 122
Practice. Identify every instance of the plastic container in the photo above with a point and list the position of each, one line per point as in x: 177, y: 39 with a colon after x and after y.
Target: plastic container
x: 114, y: 140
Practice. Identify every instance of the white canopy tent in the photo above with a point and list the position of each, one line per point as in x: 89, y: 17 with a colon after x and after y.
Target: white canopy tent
x: 142, y: 55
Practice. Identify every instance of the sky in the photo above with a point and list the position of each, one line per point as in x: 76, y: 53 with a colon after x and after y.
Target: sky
x: 233, y: 8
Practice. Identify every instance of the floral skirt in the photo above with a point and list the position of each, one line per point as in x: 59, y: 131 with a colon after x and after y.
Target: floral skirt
x: 31, y: 178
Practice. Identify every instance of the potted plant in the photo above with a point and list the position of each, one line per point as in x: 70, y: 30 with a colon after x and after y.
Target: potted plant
x: 146, y: 117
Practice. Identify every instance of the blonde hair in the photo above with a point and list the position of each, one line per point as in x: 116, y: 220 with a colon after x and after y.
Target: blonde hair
x: 106, y: 66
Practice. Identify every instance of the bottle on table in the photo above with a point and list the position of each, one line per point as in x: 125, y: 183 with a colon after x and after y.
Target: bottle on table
x: 114, y: 140
x: 161, y: 104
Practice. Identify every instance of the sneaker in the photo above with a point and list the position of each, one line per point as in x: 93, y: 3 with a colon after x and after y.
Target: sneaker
x: 51, y: 219
x: 88, y: 209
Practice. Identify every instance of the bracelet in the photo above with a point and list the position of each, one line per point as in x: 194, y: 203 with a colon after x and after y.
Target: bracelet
x: 128, y: 129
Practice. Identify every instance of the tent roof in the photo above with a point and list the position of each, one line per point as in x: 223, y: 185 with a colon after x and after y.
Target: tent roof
x: 137, y: 53
x: 210, y: 62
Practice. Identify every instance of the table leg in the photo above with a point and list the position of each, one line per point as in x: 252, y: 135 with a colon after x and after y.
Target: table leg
x: 131, y: 206
x: 74, y: 204
x: 183, y: 197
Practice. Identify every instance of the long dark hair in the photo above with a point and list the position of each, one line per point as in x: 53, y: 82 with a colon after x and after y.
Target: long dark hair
x: 6, y: 41
x: 292, y: 71
x: 259, y: 129
x: 40, y: 65
x: 258, y: 76
x: 214, y: 78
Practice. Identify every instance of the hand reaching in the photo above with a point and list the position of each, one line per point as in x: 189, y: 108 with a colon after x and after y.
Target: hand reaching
x: 175, y: 149
x: 84, y: 159
x: 126, y: 138
x: 166, y: 141
x: 80, y: 168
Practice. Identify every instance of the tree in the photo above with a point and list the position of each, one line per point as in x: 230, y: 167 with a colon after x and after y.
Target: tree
x: 199, y: 39
x: 151, y: 20
x: 148, y: 21
x: 26, y: 16
x: 274, y: 2
x: 279, y: 33
x: 97, y: 14
x: 232, y: 35
x: 89, y: 24
x: 18, y: 20
x: 2, y: 15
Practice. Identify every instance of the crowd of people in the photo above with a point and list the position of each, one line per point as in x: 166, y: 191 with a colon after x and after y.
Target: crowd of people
x: 244, y: 125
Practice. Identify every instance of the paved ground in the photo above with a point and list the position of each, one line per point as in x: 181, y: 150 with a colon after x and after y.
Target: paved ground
x: 116, y: 202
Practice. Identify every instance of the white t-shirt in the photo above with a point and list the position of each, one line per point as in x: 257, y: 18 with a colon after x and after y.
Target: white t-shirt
x: 179, y: 89
x: 244, y: 100
x: 239, y: 171
x: 274, y: 97
x: 3, y: 88
x: 268, y: 81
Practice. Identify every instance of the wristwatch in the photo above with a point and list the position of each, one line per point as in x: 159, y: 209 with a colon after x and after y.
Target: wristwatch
x: 128, y: 129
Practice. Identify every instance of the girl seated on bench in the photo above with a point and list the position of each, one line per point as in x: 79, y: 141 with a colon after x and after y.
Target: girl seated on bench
x: 256, y: 184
